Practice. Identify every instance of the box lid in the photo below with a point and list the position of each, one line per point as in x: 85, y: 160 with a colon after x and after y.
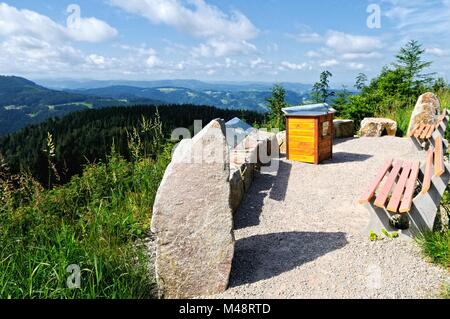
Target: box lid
x: 309, y: 110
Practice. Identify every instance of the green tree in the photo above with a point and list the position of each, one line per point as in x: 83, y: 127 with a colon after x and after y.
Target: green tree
x: 276, y: 102
x: 321, y: 90
x: 439, y: 85
x: 341, y: 100
x: 410, y: 60
x: 361, y: 81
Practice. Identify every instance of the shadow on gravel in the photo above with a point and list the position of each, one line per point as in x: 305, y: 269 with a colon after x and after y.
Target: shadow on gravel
x: 265, y: 256
x: 344, y: 157
x: 274, y: 186
x: 337, y: 141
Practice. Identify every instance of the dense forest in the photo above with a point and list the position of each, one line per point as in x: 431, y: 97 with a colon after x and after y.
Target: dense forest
x: 80, y: 190
x: 88, y: 136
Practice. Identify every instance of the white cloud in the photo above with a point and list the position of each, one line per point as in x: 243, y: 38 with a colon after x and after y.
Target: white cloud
x: 32, y: 43
x: 361, y: 56
x: 96, y: 59
x: 91, y: 30
x: 226, y: 34
x: 15, y: 22
x: 356, y: 66
x: 313, y: 54
x: 294, y: 66
x: 419, y: 18
x: 329, y: 63
x: 256, y: 62
x: 437, y: 52
x: 153, y: 61
x: 306, y: 35
x: 200, y: 19
x: 348, y: 43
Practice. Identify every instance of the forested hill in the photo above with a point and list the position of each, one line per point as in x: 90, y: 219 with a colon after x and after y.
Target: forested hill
x: 23, y: 102
x: 88, y: 136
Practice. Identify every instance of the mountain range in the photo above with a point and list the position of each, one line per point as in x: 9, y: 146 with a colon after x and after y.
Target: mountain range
x: 23, y: 102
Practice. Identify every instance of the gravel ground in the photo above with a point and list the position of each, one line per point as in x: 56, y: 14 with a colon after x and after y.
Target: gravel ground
x: 298, y: 233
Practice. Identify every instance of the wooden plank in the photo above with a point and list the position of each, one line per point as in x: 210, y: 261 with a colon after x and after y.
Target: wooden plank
x: 406, y: 203
x: 386, y: 189
x: 426, y: 184
x: 301, y: 132
x: 430, y: 132
x: 301, y: 120
x: 305, y: 139
x: 302, y: 145
x: 307, y: 159
x: 411, y: 134
x: 302, y: 152
x: 439, y: 168
x: 367, y: 196
x: 419, y: 130
x: 425, y: 131
x: 399, y: 188
x: 300, y: 126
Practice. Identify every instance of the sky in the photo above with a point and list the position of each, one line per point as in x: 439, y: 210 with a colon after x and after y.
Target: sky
x: 217, y: 40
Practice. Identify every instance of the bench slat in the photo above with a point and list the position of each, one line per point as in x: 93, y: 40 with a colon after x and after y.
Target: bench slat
x: 384, y: 193
x: 399, y: 188
x: 373, y: 187
x: 428, y: 171
x: 413, y: 132
x: 439, y: 167
x: 406, y: 204
x: 426, y: 130
x: 430, y: 132
x: 419, y: 130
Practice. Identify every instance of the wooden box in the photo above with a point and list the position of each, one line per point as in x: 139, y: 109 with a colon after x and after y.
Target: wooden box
x: 309, y: 138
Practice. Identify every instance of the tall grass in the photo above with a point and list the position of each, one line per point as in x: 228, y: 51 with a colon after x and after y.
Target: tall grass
x: 95, y: 221
x: 444, y: 97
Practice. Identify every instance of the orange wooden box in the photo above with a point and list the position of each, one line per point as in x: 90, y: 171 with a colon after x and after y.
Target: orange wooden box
x: 309, y: 138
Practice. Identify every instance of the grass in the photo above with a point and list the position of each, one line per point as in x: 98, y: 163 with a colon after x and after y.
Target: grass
x: 436, y: 246
x: 96, y: 221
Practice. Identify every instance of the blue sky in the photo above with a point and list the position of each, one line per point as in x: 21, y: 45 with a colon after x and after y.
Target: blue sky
x: 234, y: 40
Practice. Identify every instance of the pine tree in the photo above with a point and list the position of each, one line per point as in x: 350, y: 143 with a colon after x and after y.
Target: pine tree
x: 361, y: 81
x: 410, y: 60
x: 321, y: 90
x: 276, y: 102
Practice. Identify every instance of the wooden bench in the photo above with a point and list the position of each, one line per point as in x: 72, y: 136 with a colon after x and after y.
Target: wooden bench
x: 422, y: 134
x: 403, y: 187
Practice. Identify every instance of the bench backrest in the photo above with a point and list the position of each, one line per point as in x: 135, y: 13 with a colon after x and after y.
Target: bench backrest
x: 425, y: 131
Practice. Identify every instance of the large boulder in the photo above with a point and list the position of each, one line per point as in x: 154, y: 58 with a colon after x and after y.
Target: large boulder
x: 192, y: 218
x: 426, y: 111
x: 343, y: 128
x: 377, y: 127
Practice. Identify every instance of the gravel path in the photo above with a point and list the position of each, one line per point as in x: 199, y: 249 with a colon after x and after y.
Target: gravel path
x: 298, y: 233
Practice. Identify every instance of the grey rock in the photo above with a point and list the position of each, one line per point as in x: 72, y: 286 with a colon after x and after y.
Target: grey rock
x: 192, y: 218
x: 343, y: 128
